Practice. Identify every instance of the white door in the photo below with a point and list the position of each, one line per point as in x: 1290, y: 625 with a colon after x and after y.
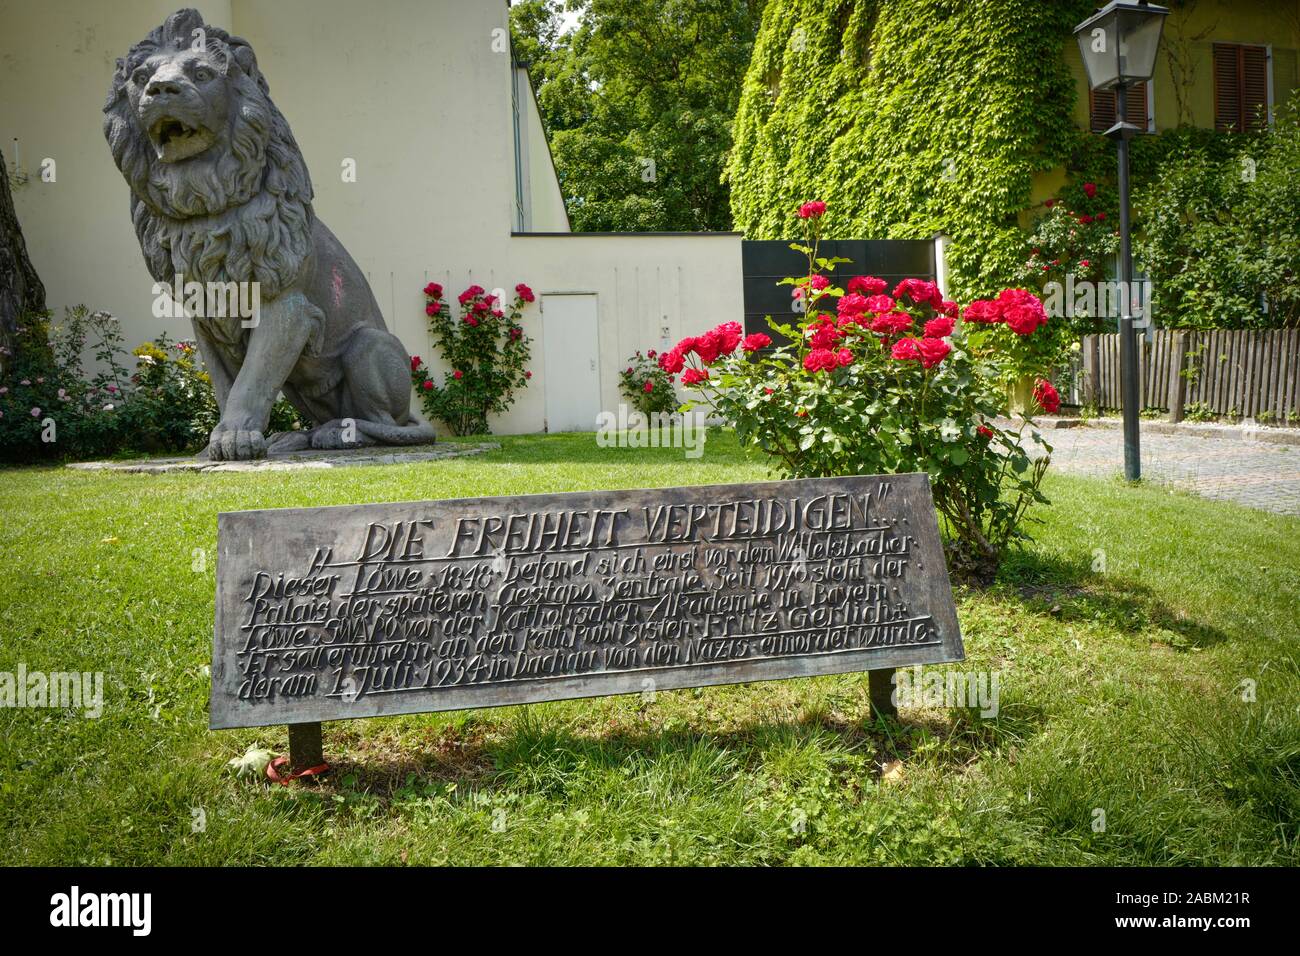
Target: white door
x: 569, y: 342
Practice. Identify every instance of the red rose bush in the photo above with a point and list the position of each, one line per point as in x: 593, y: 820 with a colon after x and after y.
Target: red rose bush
x: 485, y: 351
x: 875, y: 380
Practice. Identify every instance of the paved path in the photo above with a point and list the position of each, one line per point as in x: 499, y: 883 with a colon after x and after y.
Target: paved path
x: 1251, y: 473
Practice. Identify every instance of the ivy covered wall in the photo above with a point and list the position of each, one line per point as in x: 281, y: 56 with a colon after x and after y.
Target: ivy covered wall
x: 909, y: 117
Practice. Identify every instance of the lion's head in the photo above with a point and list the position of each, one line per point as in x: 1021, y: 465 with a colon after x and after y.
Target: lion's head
x: 219, y: 187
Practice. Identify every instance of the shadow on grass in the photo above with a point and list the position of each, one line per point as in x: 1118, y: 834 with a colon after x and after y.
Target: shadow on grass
x: 546, y: 759
x: 1069, y: 590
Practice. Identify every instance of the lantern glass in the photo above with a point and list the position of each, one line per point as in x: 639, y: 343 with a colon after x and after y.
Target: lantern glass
x: 1118, y: 44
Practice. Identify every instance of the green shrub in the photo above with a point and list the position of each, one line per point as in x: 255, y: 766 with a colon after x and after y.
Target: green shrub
x: 648, y: 387
x: 51, y: 408
x: 1220, y: 235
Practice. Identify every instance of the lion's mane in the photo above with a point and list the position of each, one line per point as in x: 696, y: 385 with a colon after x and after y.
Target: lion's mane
x: 241, y: 214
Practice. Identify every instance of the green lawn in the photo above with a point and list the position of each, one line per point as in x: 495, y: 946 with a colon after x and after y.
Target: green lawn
x: 1122, y: 636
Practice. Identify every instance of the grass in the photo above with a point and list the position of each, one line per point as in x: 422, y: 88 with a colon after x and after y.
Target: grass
x: 1122, y: 635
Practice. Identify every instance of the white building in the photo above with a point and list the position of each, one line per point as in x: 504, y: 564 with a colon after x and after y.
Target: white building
x: 454, y: 181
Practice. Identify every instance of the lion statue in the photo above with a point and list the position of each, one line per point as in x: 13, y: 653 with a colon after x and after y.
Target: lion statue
x: 220, y: 195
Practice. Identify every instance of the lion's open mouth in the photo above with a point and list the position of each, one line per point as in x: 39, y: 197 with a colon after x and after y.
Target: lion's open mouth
x: 175, y: 140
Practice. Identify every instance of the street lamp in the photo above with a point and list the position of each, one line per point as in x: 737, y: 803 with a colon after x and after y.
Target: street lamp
x: 1118, y: 44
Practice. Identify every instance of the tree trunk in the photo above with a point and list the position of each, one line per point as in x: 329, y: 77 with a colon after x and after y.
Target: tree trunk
x: 21, y: 290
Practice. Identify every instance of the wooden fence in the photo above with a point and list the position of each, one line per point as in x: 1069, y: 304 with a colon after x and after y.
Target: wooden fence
x: 1238, y: 373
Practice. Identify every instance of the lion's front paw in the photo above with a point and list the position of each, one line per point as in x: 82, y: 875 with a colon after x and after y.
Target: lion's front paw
x: 236, y: 444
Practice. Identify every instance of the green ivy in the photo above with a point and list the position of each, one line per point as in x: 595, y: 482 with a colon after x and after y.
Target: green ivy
x: 908, y: 119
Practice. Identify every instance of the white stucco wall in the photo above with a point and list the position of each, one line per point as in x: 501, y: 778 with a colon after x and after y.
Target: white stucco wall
x: 418, y: 93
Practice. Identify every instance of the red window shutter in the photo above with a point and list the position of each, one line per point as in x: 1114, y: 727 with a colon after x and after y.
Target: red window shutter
x: 1240, y: 87
x: 1101, y: 108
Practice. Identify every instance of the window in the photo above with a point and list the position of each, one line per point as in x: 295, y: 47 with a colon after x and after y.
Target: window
x: 1101, y: 107
x: 1241, y: 87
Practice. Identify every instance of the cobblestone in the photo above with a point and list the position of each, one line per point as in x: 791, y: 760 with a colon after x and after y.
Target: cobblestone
x: 1256, y: 474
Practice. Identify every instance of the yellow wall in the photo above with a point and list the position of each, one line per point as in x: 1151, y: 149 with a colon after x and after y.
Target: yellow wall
x: 1196, y: 26
x: 418, y: 93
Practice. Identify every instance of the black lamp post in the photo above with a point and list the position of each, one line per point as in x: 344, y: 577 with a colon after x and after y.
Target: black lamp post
x: 1118, y: 44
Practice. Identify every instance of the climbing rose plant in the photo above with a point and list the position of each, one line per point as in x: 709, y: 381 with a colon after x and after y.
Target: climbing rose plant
x: 884, y: 381
x: 486, y: 353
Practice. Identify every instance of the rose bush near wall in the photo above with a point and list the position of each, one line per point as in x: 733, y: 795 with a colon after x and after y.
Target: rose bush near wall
x: 879, y: 381
x: 648, y: 387
x: 1079, y: 239
x: 486, y: 352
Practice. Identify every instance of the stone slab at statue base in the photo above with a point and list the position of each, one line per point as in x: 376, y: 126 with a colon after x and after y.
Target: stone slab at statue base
x: 295, y: 461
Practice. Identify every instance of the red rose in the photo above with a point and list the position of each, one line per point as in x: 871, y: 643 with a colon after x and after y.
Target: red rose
x: 1050, y: 203
x: 428, y: 385
x: 819, y: 282
x: 905, y: 350
x: 1047, y: 397
x: 984, y: 431
x: 528, y: 374
x: 891, y: 323
x: 1086, y: 220
x: 1101, y: 217
x: 1090, y: 190
x: 933, y: 351
x: 672, y: 362
x: 729, y: 335
x: 880, y: 303
x: 708, y: 347
x: 649, y: 385
x: 982, y: 310
x: 629, y: 370
x: 768, y: 391
x: 651, y: 354
x: 1022, y: 311
x: 939, y: 327
x: 820, y: 360
x: 693, y: 376
x: 867, y: 285
x: 433, y: 290
x: 949, y: 308
x: 524, y: 292
x: 415, y: 362
x: 844, y: 357
x: 812, y: 210
x: 825, y: 336
x: 756, y: 341
x: 458, y: 375
x: 431, y: 308
x: 851, y: 304
x: 919, y: 290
